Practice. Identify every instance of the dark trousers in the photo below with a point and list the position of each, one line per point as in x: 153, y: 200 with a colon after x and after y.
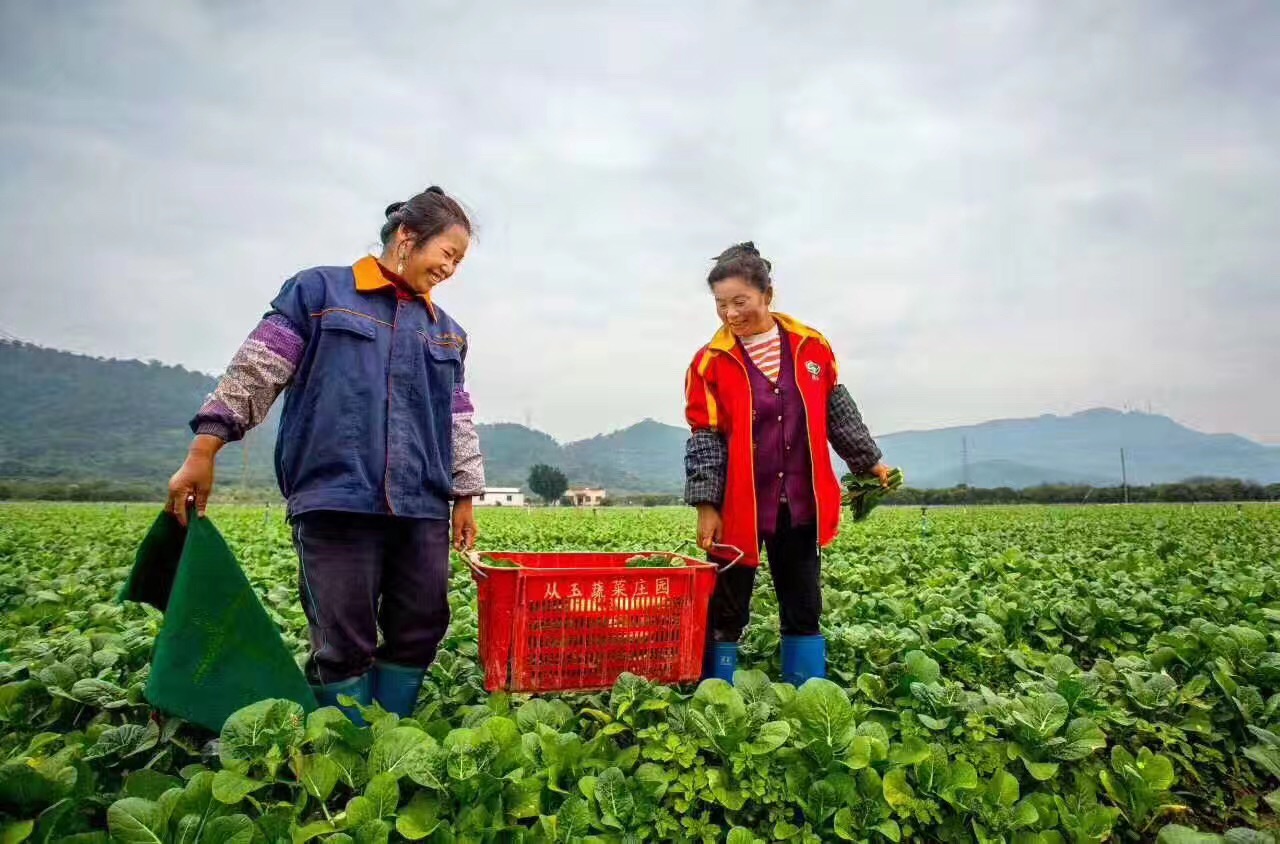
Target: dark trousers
x: 794, y: 563
x: 358, y: 573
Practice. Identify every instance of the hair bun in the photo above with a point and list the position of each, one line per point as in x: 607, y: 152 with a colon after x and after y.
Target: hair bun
x: 739, y: 251
x: 393, y: 208
x: 742, y: 260
x: 435, y: 189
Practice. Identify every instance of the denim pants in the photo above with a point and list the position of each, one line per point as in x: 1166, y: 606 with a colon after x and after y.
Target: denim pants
x: 359, y: 574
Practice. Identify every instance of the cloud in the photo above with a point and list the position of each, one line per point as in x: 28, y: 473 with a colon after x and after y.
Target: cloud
x: 993, y: 209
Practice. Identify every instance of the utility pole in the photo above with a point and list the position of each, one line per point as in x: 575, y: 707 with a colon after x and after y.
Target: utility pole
x: 1124, y: 477
x: 964, y: 461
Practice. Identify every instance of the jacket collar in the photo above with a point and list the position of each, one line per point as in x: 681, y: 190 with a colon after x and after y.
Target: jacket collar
x: 370, y: 279
x: 724, y: 341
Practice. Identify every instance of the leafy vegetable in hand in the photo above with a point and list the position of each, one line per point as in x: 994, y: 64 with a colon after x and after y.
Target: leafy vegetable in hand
x: 864, y: 492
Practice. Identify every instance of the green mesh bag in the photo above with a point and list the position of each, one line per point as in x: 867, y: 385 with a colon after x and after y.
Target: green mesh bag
x: 217, y: 650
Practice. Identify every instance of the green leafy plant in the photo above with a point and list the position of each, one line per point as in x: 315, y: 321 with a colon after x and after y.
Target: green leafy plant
x: 1023, y: 675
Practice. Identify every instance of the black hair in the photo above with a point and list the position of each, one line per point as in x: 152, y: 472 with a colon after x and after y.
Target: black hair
x: 424, y: 216
x: 742, y: 260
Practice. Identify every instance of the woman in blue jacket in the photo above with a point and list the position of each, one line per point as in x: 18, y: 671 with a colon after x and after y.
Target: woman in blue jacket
x: 376, y: 445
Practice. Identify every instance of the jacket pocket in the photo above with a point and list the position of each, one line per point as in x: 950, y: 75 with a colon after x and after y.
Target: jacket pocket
x: 444, y: 362
x: 444, y: 352
x: 349, y: 322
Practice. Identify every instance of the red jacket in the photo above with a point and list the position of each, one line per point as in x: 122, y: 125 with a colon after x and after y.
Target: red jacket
x: 718, y: 398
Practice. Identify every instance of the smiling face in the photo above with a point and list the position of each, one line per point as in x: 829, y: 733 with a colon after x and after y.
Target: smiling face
x: 430, y: 263
x: 743, y: 307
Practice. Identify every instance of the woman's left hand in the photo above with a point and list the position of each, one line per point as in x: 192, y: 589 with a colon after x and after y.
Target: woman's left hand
x: 465, y: 531
x: 882, y: 471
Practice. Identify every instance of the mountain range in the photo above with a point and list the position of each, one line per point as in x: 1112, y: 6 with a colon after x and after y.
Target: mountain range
x: 73, y: 417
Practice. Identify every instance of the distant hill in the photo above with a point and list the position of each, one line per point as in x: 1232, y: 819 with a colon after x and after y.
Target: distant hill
x: 71, y: 416
x: 646, y: 457
x: 511, y: 450
x: 68, y: 416
x: 992, y: 474
x: 74, y: 417
x: 1082, y: 447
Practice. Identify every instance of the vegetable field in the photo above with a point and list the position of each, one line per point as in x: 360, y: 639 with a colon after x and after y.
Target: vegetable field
x: 1018, y: 675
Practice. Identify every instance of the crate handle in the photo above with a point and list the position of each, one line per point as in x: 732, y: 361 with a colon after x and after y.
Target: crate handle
x: 689, y: 543
x: 472, y: 558
x: 732, y: 548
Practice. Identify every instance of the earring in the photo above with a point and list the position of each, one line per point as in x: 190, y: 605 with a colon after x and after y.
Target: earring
x: 400, y: 266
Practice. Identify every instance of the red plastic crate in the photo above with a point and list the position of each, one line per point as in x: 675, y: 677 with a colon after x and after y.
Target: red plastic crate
x: 575, y: 621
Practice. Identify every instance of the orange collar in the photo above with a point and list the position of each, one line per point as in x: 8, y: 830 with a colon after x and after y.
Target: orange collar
x: 370, y: 279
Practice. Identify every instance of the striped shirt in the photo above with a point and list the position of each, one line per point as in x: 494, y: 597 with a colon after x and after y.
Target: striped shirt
x: 766, y: 352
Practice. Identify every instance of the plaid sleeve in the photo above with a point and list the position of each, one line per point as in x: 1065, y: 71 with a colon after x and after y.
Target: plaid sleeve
x: 848, y: 433
x: 706, y: 462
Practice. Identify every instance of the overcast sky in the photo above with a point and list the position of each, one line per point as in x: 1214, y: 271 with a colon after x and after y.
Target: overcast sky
x: 992, y: 209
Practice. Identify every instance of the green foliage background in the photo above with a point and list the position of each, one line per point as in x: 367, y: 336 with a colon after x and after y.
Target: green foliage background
x: 1020, y: 675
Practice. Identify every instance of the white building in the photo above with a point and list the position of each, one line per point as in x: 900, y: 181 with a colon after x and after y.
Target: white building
x: 501, y: 496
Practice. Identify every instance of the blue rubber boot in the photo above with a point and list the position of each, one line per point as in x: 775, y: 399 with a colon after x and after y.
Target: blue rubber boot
x: 359, y: 688
x: 396, y: 687
x: 803, y: 657
x: 721, y: 661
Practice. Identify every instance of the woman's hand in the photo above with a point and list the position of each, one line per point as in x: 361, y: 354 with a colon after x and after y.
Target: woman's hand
x: 710, y: 527
x: 465, y: 530
x: 194, y: 480
x: 882, y: 471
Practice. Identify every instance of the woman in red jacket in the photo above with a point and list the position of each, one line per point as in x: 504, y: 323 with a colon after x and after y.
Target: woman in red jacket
x: 763, y: 400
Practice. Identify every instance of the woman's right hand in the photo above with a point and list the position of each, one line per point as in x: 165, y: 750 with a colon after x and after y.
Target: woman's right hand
x: 710, y: 528
x: 194, y: 480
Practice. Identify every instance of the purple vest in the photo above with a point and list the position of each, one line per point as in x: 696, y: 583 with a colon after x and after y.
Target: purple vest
x: 780, y: 436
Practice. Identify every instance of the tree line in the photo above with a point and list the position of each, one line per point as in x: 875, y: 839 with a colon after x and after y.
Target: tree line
x: 1189, y: 491
x: 552, y: 485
